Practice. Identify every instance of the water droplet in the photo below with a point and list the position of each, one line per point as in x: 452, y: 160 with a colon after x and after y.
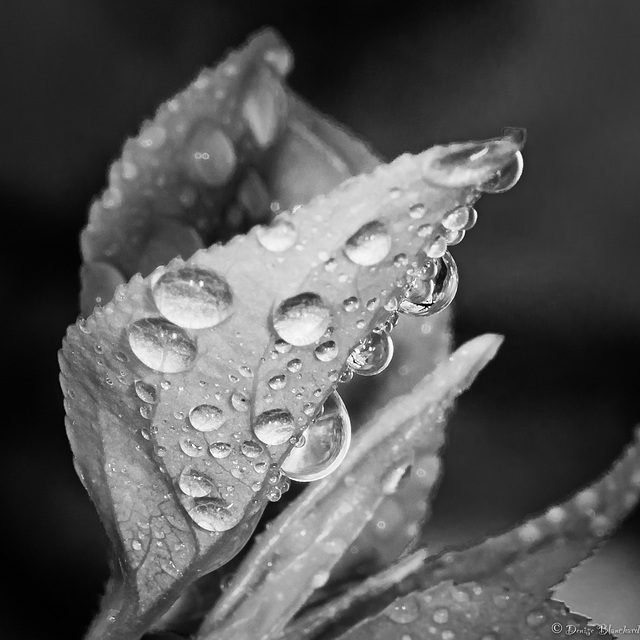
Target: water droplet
x: 417, y: 210
x: 279, y: 236
x: 161, y: 345
x: 192, y: 448
x: 437, y: 248
x: 369, y: 245
x: 351, y: 304
x: 507, y: 177
x: 239, y: 401
x: 556, y: 515
x: 324, y: 445
x: 326, y: 351
x: 372, y: 355
x: 457, y: 220
x: 429, y: 296
x: 145, y: 391
x: 220, y: 449
x: 214, y: 514
x: 404, y: 611
x: 529, y: 533
x: 587, y: 500
x: 302, y: 320
x: 274, y: 427
x: 194, y: 483
x: 146, y: 411
x: 136, y: 545
x: 441, y: 616
x: 278, y: 382
x: 209, y: 155
x: 193, y: 298
x: 294, y: 365
x: 250, y: 449
x: 206, y: 417
x: 152, y: 137
x: 281, y: 346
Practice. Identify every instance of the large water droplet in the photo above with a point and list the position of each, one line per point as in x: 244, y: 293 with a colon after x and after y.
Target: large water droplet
x: 326, y: 351
x: 194, y: 483
x: 206, y: 417
x: 369, y: 245
x: 507, y: 177
x: 220, y: 449
x: 429, y: 295
x: 372, y: 355
x: 145, y: 391
x: 214, y: 514
x: 302, y: 320
x: 250, y: 449
x: 274, y: 427
x: 324, y: 444
x: 279, y: 236
x: 210, y: 155
x: 161, y: 345
x: 193, y: 298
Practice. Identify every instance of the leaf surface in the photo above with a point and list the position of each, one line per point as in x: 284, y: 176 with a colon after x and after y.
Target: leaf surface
x: 301, y: 547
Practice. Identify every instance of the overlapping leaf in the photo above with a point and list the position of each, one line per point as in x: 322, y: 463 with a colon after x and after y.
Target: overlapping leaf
x: 527, y: 561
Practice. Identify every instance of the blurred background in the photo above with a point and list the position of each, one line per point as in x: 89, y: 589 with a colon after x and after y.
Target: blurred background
x: 553, y: 264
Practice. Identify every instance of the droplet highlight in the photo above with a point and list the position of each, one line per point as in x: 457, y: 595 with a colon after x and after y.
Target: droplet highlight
x: 369, y: 245
x: 302, y: 319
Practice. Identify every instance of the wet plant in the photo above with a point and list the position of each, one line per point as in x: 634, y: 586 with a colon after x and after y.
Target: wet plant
x: 248, y: 258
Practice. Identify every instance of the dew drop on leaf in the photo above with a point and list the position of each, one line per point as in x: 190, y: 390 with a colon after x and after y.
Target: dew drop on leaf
x: 145, y: 391
x: 302, y: 319
x: 279, y: 236
x: 434, y: 290
x: 210, y: 156
x: 239, y: 401
x: 213, y: 514
x: 161, y: 345
x: 458, y: 219
x: 437, y: 248
x: 274, y: 426
x: 191, y: 448
x: 250, y: 449
x: 372, y: 355
x: 194, y: 483
x: 507, y: 177
x: 323, y: 445
x: 404, y: 611
x: 369, y: 245
x: 220, y: 449
x: 206, y: 417
x: 326, y: 351
x: 193, y: 298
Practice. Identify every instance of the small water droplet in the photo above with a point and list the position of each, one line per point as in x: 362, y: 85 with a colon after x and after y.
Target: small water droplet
x: 210, y: 156
x: 136, y: 545
x: 369, y: 245
x: 437, y: 248
x: 193, y: 298
x: 220, y: 449
x: 294, y: 365
x: 250, y: 449
x: 145, y: 391
x: 302, y: 319
x: 194, y: 483
x: 281, y: 346
x: 507, y: 177
x: 192, y: 448
x: 441, y: 616
x: 404, y: 611
x: 274, y: 426
x: 323, y: 445
x: 417, y: 210
x: 161, y: 345
x: 146, y: 411
x: 239, y: 401
x: 279, y: 236
x: 206, y: 417
x: 278, y: 382
x: 245, y: 371
x: 428, y: 296
x: 457, y: 220
x: 372, y: 355
x: 214, y: 514
x: 327, y: 351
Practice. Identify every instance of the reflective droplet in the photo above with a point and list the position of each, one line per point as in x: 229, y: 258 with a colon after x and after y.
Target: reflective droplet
x: 458, y: 219
x: 437, y: 248
x: 194, y: 483
x: 404, y: 611
x: 210, y: 156
x: 372, y: 355
x: 507, y: 177
x: 427, y: 297
x: 369, y: 245
x: 274, y: 427
x: 281, y: 346
x: 351, y: 304
x: 294, y: 365
x: 145, y: 391
x: 326, y: 351
x: 191, y: 448
x: 193, y: 298
x: 302, y: 319
x: 206, y: 417
x: 250, y: 449
x: 214, y: 514
x: 441, y: 616
x: 220, y: 449
x: 278, y: 382
x: 239, y: 401
x: 279, y: 236
x: 325, y: 444
x: 161, y: 345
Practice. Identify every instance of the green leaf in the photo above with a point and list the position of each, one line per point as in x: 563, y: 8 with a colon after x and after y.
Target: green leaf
x: 301, y: 547
x: 532, y: 558
x: 472, y: 611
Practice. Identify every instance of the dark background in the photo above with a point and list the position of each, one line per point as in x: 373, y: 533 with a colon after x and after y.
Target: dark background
x: 553, y: 264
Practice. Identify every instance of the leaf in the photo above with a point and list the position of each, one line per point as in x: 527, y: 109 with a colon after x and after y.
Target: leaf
x: 302, y: 546
x: 531, y: 558
x: 471, y: 611
x: 135, y: 383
